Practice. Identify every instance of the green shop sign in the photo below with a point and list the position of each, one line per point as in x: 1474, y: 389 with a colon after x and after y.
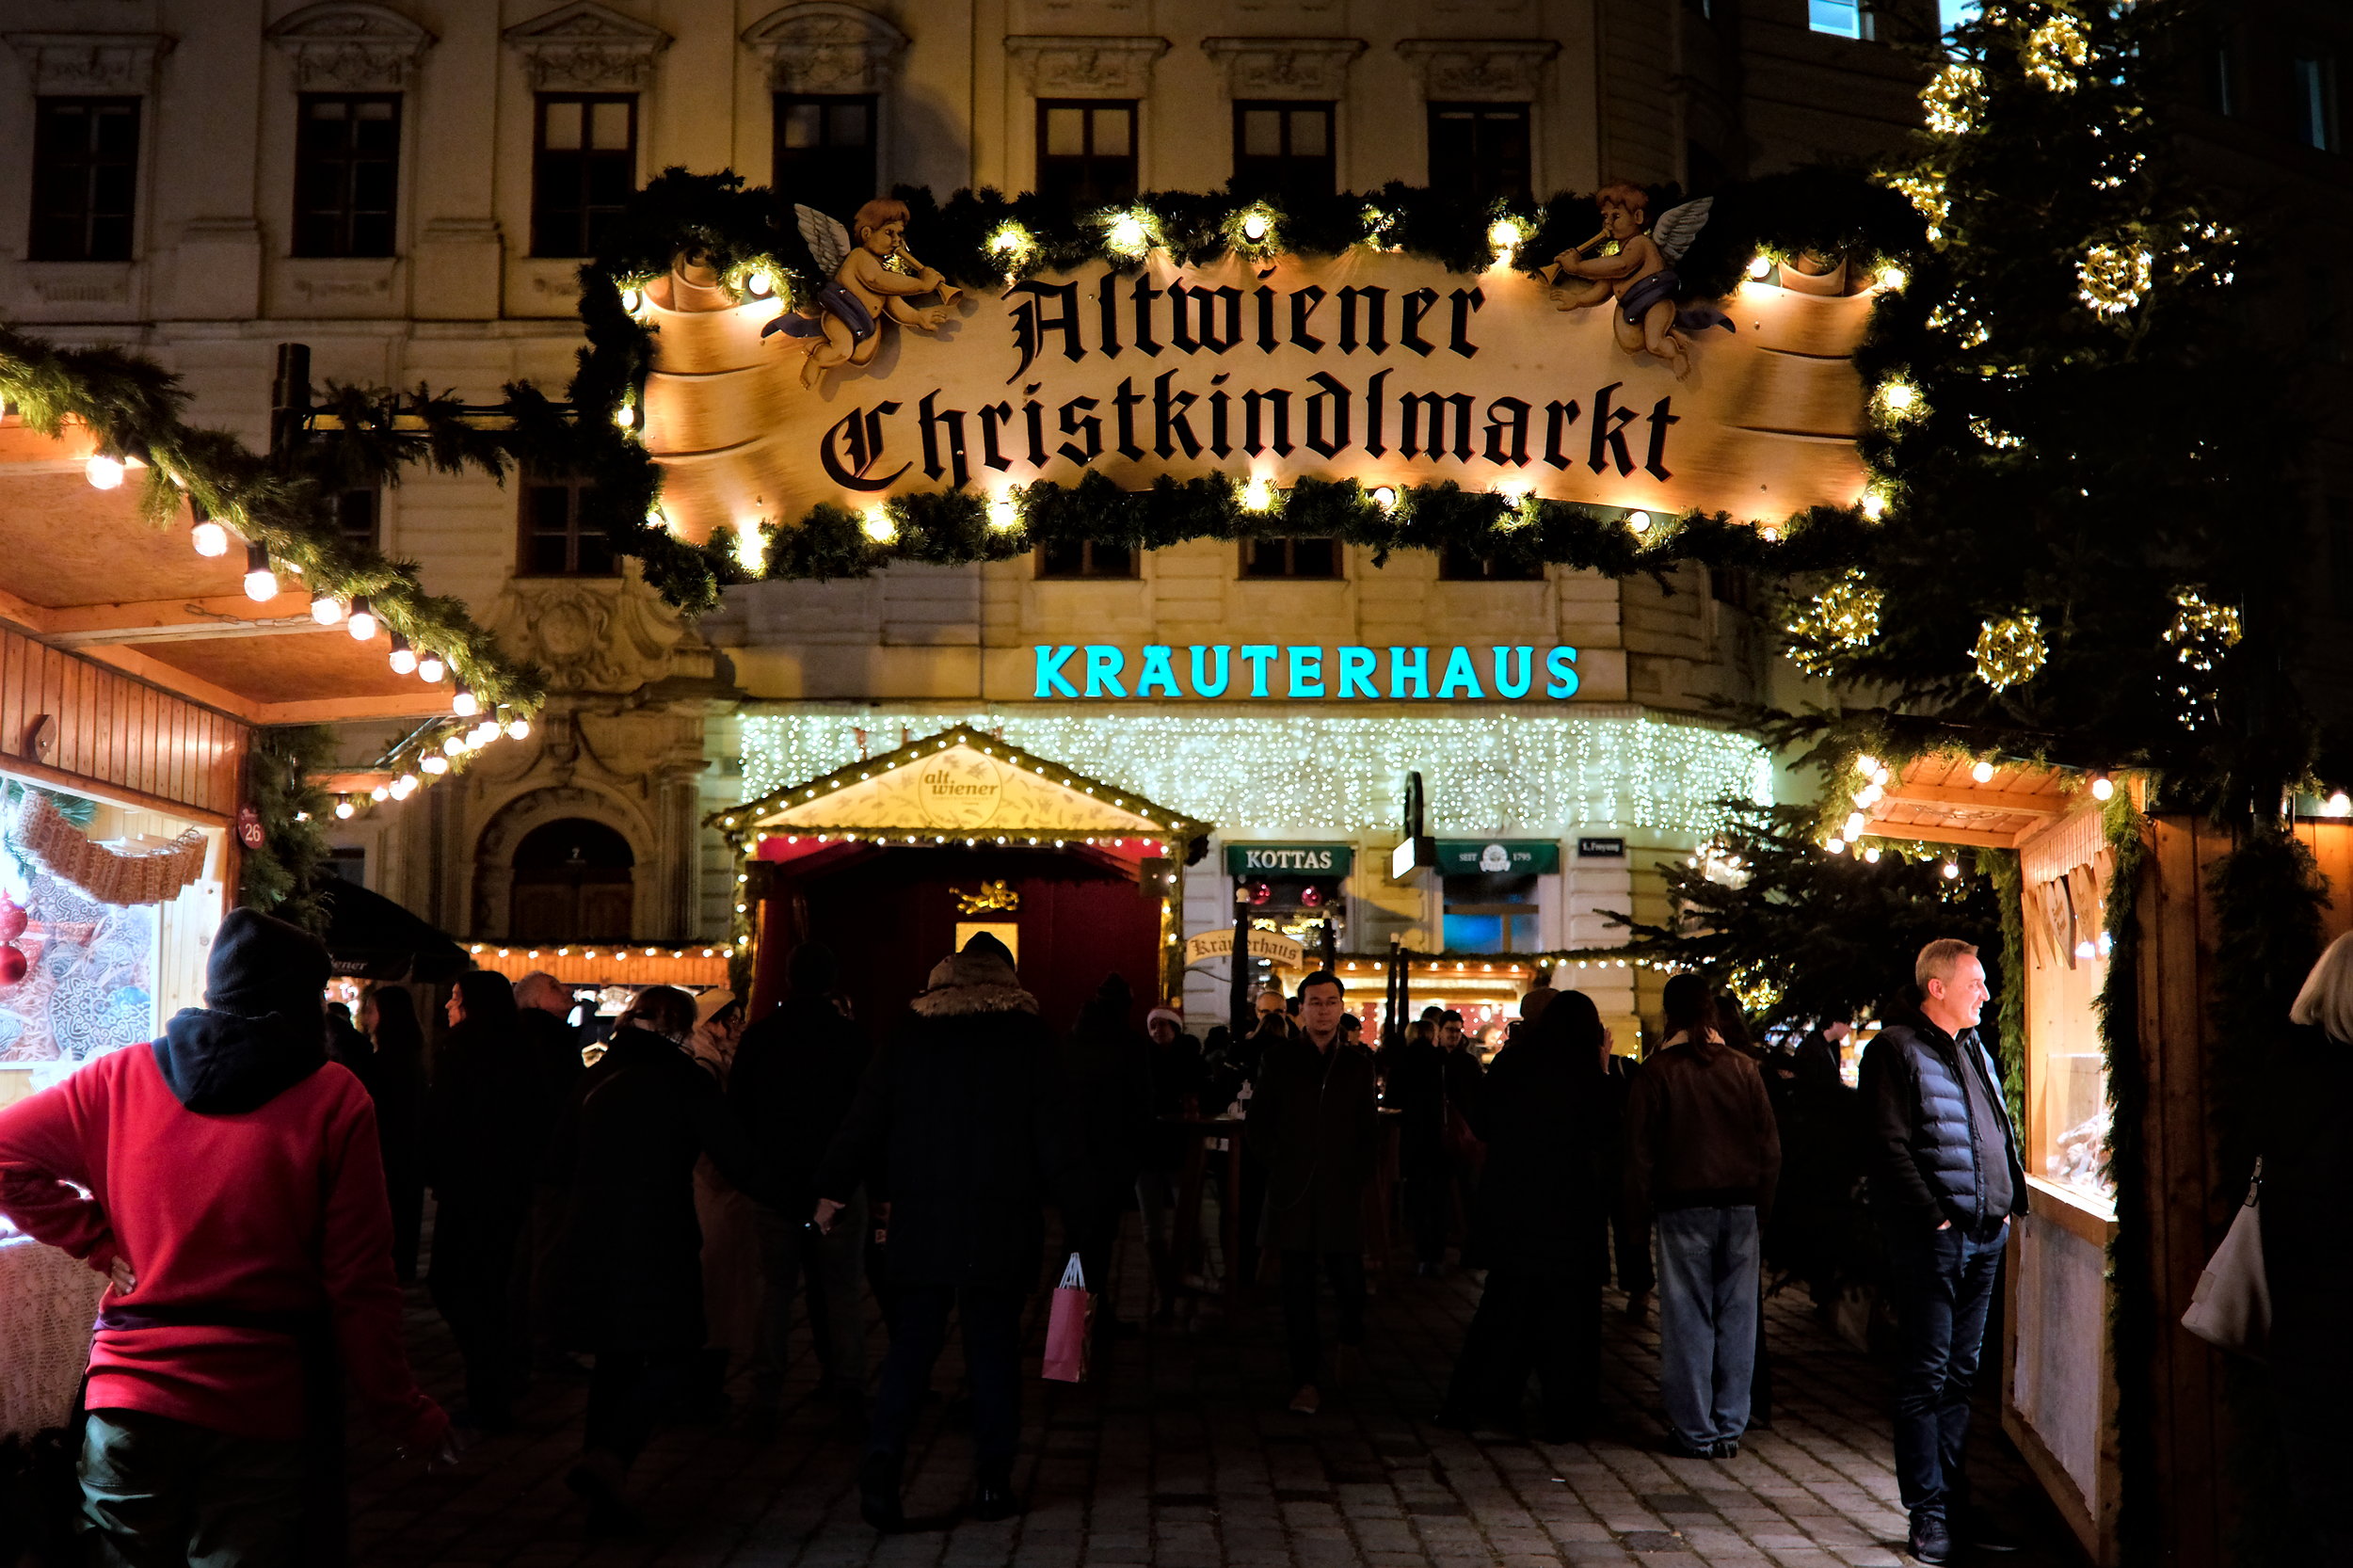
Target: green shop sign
x: 1288, y: 859
x: 1498, y: 857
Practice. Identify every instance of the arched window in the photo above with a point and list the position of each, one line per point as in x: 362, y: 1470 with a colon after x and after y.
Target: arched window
x: 573, y: 883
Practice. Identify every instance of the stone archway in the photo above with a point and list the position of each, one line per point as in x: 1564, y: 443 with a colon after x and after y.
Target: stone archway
x: 502, y: 836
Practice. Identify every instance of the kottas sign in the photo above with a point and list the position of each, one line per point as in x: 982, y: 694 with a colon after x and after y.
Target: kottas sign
x: 1379, y: 367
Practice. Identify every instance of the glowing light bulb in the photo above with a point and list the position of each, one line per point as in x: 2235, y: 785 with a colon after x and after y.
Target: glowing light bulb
x: 2083, y: 949
x: 1893, y: 278
x: 1854, y: 826
x: 210, y: 540
x: 1875, y: 502
x: 1385, y: 497
x: 431, y: 667
x: 1865, y: 763
x: 1638, y: 521
x: 1899, y: 397
x: 1004, y: 513
x: 630, y: 300
x: 403, y: 657
x: 434, y: 765
x: 2102, y: 785
x: 751, y: 550
x: 380, y: 794
x: 625, y: 416
x: 465, y: 704
x: 1837, y: 846
x: 879, y: 527
x: 1983, y: 772
x: 1871, y: 855
x: 404, y: 786
x: 345, y: 811
x: 519, y: 729
x: 761, y: 285
x: 1255, y: 225
x: 261, y: 584
x: 1759, y: 266
x: 361, y: 625
x: 103, y: 472
x: 1505, y: 235
x: 2338, y: 804
x: 453, y: 744
x: 326, y: 610
x: 1952, y: 871
x: 1257, y: 495
x: 1128, y: 237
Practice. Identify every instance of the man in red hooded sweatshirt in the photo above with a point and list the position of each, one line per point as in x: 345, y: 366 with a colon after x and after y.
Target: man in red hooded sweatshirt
x: 236, y: 1203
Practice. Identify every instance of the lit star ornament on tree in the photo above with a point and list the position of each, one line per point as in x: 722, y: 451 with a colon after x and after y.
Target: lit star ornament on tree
x: 1843, y: 617
x: 2009, y: 650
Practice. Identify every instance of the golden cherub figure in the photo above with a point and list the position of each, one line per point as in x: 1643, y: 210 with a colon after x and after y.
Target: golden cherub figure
x: 874, y: 278
x: 1639, y: 274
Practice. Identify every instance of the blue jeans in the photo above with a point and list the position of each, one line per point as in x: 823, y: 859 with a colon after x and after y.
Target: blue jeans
x: 1707, y: 1285
x: 1942, y: 1281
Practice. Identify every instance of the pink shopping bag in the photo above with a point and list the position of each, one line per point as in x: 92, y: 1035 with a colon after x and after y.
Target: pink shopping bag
x: 1066, y: 1336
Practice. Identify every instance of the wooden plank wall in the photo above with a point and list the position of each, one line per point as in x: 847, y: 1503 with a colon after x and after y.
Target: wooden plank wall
x: 113, y: 730
x: 2191, y: 1199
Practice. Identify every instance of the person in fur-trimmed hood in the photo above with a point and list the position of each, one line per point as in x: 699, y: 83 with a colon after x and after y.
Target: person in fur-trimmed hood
x: 954, y: 1127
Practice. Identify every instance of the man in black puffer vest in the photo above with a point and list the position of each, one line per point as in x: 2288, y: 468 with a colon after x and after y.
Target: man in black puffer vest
x: 1946, y: 1177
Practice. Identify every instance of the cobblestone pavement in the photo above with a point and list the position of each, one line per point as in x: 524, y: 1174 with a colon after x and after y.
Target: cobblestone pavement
x: 1181, y: 1455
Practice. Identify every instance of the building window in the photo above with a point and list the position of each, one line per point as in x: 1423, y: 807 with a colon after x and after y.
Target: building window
x: 1839, y: 18
x: 1457, y: 563
x: 1283, y: 150
x: 583, y: 170
x: 1480, y: 149
x: 825, y: 152
x: 1493, y: 913
x: 556, y: 540
x: 1291, y: 557
x: 346, y: 174
x: 2316, y: 100
x: 357, y: 515
x: 85, y: 168
x: 1086, y: 151
x: 1086, y: 558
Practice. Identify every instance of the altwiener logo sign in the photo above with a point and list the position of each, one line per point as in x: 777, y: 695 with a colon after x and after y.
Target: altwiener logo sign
x: 1374, y: 366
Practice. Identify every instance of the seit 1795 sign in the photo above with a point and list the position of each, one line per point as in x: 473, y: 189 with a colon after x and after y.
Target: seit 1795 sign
x: 1369, y: 365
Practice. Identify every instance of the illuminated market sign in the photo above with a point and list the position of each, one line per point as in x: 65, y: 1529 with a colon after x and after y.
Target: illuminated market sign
x: 1311, y: 672
x: 1383, y: 368
x: 1288, y: 859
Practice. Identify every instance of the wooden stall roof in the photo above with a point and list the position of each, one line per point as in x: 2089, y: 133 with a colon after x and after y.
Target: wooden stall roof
x: 1939, y: 800
x: 80, y: 569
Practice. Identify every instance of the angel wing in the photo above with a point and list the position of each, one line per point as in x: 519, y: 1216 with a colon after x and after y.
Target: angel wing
x: 1676, y: 228
x: 828, y: 242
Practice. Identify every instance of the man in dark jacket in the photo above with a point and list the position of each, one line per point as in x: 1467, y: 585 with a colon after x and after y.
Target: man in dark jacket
x: 957, y: 1125
x: 1314, y: 1122
x: 551, y: 1049
x: 796, y: 1073
x: 1106, y: 1090
x: 1701, y: 1157
x: 1946, y: 1177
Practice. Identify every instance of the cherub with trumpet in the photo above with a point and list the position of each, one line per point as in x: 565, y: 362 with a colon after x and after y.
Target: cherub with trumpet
x: 1639, y: 274
x: 874, y: 278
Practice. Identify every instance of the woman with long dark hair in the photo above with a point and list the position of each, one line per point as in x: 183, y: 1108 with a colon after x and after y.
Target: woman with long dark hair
x: 1538, y: 1226
x: 396, y: 1079
x: 480, y: 1171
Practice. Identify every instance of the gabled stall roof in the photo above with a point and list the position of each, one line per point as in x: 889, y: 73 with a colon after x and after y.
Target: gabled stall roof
x: 82, y: 569
x: 1938, y: 799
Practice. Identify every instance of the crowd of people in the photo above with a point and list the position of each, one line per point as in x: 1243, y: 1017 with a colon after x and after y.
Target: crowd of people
x: 665, y: 1204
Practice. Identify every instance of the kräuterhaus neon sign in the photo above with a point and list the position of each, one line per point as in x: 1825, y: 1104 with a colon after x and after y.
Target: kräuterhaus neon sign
x: 1349, y: 672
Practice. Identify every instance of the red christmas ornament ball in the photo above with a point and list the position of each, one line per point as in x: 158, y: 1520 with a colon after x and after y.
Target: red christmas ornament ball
x: 13, y: 965
x: 12, y: 920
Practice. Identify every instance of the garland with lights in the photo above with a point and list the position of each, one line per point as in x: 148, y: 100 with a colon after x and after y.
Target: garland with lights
x: 282, y: 876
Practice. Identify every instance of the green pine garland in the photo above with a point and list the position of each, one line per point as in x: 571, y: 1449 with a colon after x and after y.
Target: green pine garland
x: 282, y: 877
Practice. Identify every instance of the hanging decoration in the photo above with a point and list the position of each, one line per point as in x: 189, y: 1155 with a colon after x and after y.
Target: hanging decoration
x: 2009, y: 650
x: 120, y: 877
x: 2057, y: 51
x: 2202, y: 636
x: 1841, y: 617
x: 2111, y: 278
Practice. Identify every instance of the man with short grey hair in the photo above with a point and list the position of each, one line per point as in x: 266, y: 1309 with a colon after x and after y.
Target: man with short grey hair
x: 1946, y: 1177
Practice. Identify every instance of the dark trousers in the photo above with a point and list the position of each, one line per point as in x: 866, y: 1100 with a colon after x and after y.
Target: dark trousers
x: 474, y: 1265
x: 1428, y: 1199
x: 1943, y: 1282
x: 407, y: 1191
x: 1629, y: 1239
x: 1545, y: 1324
x: 630, y: 1392
x: 158, y: 1493
x: 992, y: 1364
x: 1300, y: 1330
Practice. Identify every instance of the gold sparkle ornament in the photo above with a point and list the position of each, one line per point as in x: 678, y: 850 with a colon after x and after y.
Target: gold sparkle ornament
x: 1843, y: 617
x: 2011, y: 651
x: 1953, y: 99
x: 2057, y: 51
x: 2111, y: 278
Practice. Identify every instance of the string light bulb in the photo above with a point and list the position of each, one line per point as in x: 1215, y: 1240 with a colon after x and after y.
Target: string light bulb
x: 326, y: 610
x: 403, y: 657
x: 878, y: 525
x: 1004, y: 514
x: 2102, y: 785
x: 1760, y: 267
x: 2337, y: 804
x: 452, y: 746
x: 1258, y: 496
x: 380, y: 794
x: 432, y: 764
x: 1385, y: 497
x: 464, y: 703
x: 261, y: 582
x: 518, y: 729
x: 1952, y: 871
x: 761, y: 285
x: 1871, y: 854
x: 431, y: 667
x: 1638, y: 521
x: 345, y: 811
x: 1256, y: 225
x: 208, y: 538
x: 103, y: 472
x: 1982, y: 772
x: 361, y: 621
x: 404, y: 786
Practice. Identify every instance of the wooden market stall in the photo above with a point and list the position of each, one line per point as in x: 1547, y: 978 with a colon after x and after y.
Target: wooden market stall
x: 2061, y: 1365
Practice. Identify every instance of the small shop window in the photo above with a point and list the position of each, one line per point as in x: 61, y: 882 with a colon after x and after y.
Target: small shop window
x: 1491, y: 914
x: 825, y: 152
x: 347, y: 174
x: 86, y: 164
x: 1086, y: 558
x: 557, y: 539
x: 1283, y: 150
x: 1291, y: 557
x: 1086, y: 151
x: 1481, y: 150
x: 2066, y: 1089
x: 1461, y: 564
x: 583, y: 170
x: 357, y: 517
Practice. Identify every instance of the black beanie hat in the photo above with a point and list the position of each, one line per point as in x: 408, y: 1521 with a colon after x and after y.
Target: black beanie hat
x: 260, y: 964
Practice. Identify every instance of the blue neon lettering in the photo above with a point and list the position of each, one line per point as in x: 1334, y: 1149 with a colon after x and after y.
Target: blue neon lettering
x: 1155, y: 671
x: 1561, y: 665
x: 1503, y: 679
x: 1306, y: 671
x: 1049, y: 676
x: 1415, y: 670
x: 1257, y: 656
x: 1458, y: 673
x: 1201, y: 686
x: 1356, y: 672
x: 1104, y: 662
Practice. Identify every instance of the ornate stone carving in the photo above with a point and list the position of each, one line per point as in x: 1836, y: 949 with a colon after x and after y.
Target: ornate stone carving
x: 589, y: 633
x: 1090, y: 64
x: 1502, y: 68
x: 588, y: 47
x: 827, y: 46
x: 351, y: 46
x: 90, y: 62
x: 1283, y: 67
